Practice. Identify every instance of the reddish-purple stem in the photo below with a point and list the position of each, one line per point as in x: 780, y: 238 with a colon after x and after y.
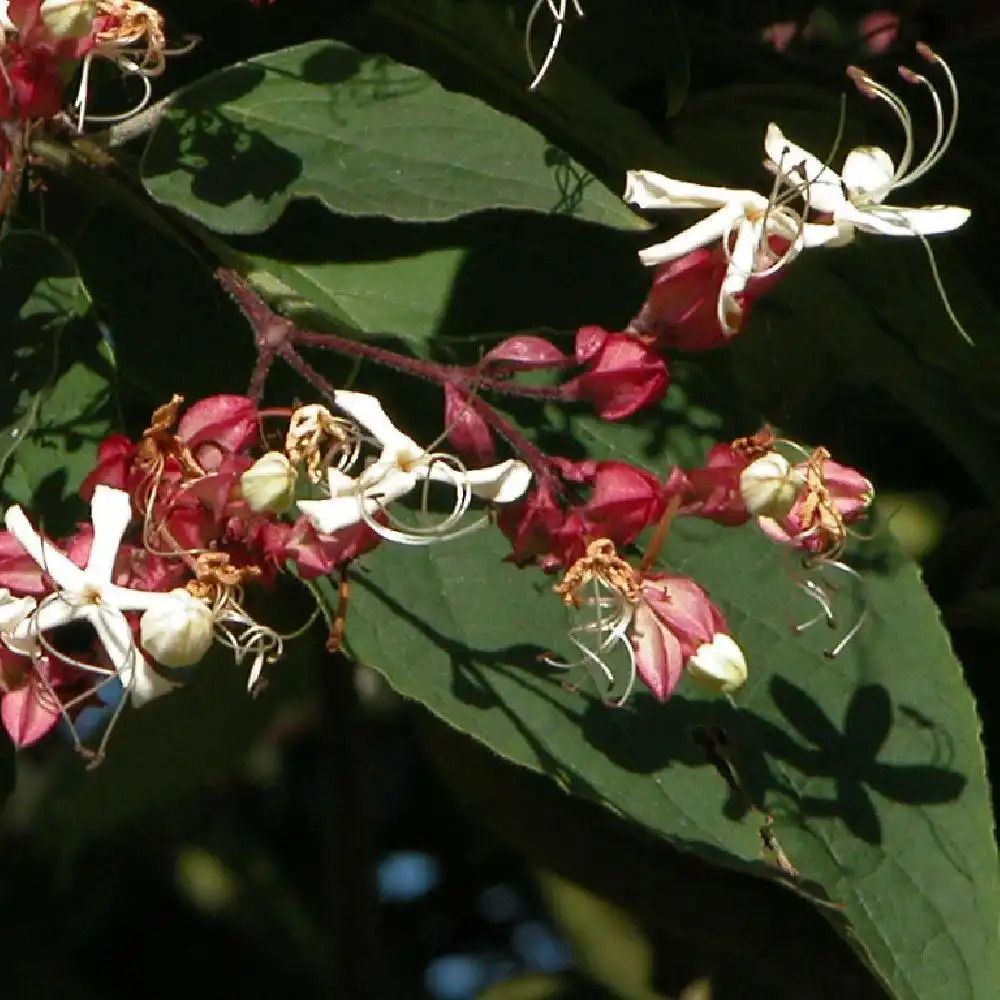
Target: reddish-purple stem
x: 276, y: 336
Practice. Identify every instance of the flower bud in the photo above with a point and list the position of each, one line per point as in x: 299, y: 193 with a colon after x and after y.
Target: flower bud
x: 177, y: 631
x: 770, y: 486
x: 66, y: 19
x: 269, y: 484
x: 719, y: 664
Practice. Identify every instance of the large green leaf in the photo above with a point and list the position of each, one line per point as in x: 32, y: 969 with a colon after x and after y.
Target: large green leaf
x: 58, y: 401
x: 363, y: 134
x: 871, y: 763
x: 695, y: 916
x: 429, y: 285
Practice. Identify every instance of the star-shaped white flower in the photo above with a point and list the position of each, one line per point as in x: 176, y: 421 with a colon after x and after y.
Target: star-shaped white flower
x: 856, y: 197
x: 743, y: 221
x: 89, y: 595
x: 401, y: 466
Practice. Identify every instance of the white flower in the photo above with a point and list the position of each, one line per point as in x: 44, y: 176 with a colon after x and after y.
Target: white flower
x: 743, y: 221
x: 719, y: 664
x: 89, y: 595
x: 401, y: 466
x: 856, y: 197
x: 178, y: 631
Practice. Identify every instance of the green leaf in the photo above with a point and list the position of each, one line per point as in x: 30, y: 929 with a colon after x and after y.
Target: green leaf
x: 695, y: 915
x: 59, y: 402
x: 871, y: 763
x: 363, y: 134
x: 429, y: 285
x: 173, y: 330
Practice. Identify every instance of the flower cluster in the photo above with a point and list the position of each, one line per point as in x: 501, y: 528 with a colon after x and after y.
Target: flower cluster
x: 666, y: 623
x: 45, y: 43
x: 186, y: 523
x: 710, y: 274
x: 207, y: 508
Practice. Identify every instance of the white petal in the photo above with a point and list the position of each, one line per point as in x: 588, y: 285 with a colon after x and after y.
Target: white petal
x: 819, y: 183
x: 5, y: 22
x: 55, y: 611
x: 741, y: 260
x: 144, y: 682
x: 713, y: 227
x: 110, y: 513
x: 328, y: 516
x: 126, y: 599
x: 892, y: 220
x: 136, y: 675
x: 503, y: 483
x: 13, y: 610
x: 867, y: 173
x: 57, y: 564
x: 835, y: 234
x: 368, y: 412
x: 342, y: 511
x: 341, y: 484
x: 728, y: 308
x: 648, y: 189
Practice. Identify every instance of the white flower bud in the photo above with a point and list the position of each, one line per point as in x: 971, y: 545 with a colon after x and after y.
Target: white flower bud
x: 770, y: 486
x: 177, y: 631
x: 269, y: 484
x: 719, y: 664
x: 69, y: 18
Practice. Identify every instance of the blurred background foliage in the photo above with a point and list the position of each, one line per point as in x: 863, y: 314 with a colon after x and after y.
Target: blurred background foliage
x: 335, y: 842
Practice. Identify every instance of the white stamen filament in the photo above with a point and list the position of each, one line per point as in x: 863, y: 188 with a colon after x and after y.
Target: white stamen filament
x: 427, y: 534
x: 613, y: 615
x: 943, y: 133
x: 817, y: 592
x: 557, y: 8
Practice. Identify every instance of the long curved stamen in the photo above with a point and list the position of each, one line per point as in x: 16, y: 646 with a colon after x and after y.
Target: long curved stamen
x: 244, y: 636
x: 122, y: 115
x: 943, y: 135
x: 818, y: 593
x: 80, y: 102
x: 939, y: 285
x: 944, y: 132
x: 613, y: 616
x: 557, y: 8
x: 396, y: 531
x: 870, y: 88
x: 106, y: 675
x: 862, y: 617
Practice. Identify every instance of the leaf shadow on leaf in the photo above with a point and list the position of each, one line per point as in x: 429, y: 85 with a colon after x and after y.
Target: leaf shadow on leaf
x: 773, y: 763
x: 484, y: 275
x: 225, y: 161
x: 648, y: 737
x: 849, y: 758
x: 471, y: 684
